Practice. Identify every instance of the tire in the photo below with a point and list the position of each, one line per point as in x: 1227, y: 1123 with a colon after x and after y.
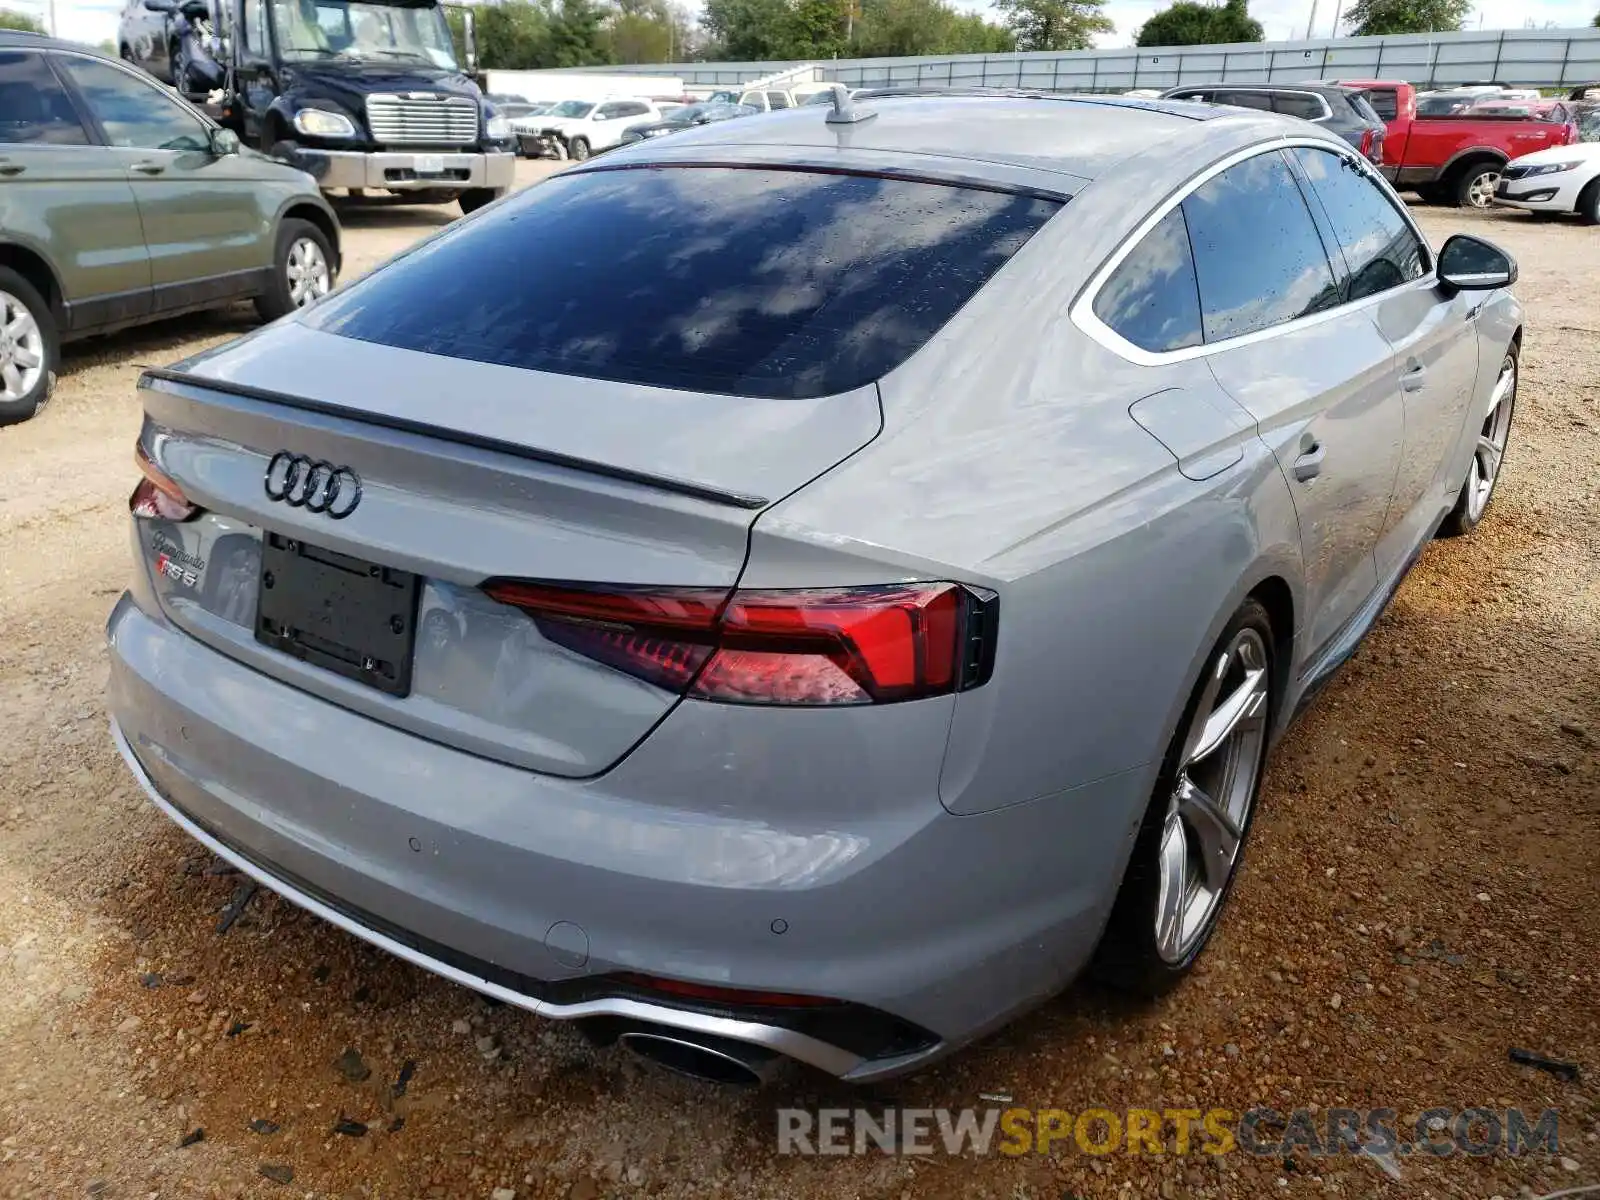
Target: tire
x: 125, y: 53
x: 1474, y: 187
x: 302, y: 270
x: 30, y: 348
x: 1489, y: 454
x: 1148, y: 945
x: 473, y: 199
x: 1588, y: 207
x: 578, y: 149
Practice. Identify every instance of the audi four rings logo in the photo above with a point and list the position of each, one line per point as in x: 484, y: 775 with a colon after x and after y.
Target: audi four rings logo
x: 318, y: 487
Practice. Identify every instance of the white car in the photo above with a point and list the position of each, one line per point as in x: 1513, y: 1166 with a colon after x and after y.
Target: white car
x: 1562, y: 179
x: 580, y: 128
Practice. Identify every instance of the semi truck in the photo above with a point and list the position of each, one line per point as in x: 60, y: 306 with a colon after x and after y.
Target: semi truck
x: 366, y: 96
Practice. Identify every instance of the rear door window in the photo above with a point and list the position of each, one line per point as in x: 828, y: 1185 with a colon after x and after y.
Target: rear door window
x: 1151, y: 298
x: 770, y: 283
x: 1258, y: 100
x: 34, y: 108
x: 778, y: 99
x: 1257, y: 254
x: 1299, y: 104
x: 1380, y: 249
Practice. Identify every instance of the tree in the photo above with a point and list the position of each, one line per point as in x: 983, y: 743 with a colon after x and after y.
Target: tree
x: 892, y: 28
x: 513, y: 35
x: 1190, y: 23
x: 1597, y: 20
x: 10, y: 19
x: 745, y: 30
x: 576, y: 36
x: 1407, y: 16
x: 1059, y: 24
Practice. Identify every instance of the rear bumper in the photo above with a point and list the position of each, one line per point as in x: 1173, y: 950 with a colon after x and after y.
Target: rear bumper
x: 398, y: 171
x: 537, y: 890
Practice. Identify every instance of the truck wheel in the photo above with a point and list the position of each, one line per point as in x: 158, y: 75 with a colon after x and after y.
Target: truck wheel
x: 475, y: 198
x: 302, y: 270
x: 1475, y: 186
x: 578, y: 150
x: 30, y: 348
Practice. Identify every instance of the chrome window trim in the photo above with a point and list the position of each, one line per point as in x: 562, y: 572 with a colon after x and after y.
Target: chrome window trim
x: 1082, y: 312
x: 1327, y: 111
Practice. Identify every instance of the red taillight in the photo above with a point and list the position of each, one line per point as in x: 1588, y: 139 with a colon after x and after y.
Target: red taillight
x: 1572, y: 135
x: 722, y: 995
x: 862, y: 645
x: 156, y: 495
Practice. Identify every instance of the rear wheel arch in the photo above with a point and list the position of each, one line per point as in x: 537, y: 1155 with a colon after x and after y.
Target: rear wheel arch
x: 33, y: 267
x: 1277, y: 598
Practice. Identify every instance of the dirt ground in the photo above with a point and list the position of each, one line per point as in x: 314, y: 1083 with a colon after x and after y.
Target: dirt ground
x: 1421, y: 893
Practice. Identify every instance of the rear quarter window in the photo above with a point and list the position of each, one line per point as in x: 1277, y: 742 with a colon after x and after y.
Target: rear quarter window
x: 766, y: 283
x: 1384, y: 104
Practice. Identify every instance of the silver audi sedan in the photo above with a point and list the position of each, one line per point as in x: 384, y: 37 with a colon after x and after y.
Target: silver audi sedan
x: 805, y: 590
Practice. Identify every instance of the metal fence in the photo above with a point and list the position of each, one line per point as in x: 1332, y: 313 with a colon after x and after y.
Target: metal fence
x: 1522, y: 57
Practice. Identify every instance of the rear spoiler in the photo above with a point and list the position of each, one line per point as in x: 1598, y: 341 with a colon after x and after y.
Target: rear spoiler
x: 163, y: 379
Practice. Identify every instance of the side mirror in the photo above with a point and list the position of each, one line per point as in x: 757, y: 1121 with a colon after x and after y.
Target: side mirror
x: 161, y: 6
x: 224, y: 142
x: 702, y: 119
x: 1472, y: 264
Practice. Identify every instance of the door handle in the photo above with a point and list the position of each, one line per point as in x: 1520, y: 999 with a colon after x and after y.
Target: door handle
x: 1472, y: 313
x: 1309, y: 465
x: 149, y: 168
x: 1414, y: 378
x: 11, y: 168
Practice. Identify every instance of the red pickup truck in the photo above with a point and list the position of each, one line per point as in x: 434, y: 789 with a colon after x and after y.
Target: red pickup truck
x: 1454, y: 159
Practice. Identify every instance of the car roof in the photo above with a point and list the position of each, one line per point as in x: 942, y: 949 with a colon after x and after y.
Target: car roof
x: 21, y: 39
x: 1056, y: 143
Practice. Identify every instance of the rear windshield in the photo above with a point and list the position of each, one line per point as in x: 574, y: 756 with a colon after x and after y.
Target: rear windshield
x: 771, y: 283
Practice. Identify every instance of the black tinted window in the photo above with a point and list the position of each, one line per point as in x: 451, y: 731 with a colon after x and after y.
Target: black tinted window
x: 1257, y: 253
x: 1260, y: 100
x: 1379, y: 247
x: 33, y: 107
x: 1298, y: 104
x: 754, y: 282
x: 1151, y: 298
x: 1384, y: 104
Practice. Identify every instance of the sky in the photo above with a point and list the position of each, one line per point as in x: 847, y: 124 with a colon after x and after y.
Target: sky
x: 96, y: 20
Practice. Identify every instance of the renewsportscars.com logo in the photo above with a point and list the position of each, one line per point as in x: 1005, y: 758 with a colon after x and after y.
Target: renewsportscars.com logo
x: 1378, y: 1132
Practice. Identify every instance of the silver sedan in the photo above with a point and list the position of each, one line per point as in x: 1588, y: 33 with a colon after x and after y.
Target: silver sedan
x: 808, y: 597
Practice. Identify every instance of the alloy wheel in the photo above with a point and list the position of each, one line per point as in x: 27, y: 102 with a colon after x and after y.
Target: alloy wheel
x: 308, y: 273
x: 1490, y: 451
x: 1212, y: 793
x: 1480, y: 192
x: 21, y: 349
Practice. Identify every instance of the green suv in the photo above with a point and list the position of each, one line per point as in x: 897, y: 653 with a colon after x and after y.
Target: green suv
x: 121, y: 203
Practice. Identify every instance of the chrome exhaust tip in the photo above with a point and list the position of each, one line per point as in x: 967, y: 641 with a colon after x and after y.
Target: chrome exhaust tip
x: 712, y: 1060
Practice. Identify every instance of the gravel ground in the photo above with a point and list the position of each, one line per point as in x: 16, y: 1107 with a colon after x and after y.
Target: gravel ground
x: 1420, y: 894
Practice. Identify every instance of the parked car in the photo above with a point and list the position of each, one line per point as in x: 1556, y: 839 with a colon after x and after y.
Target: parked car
x: 578, y: 128
x: 686, y: 117
x: 1342, y: 110
x: 767, y: 99
x: 146, y: 38
x: 1557, y: 112
x: 1564, y: 179
x: 747, y: 677
x: 1457, y: 158
x: 121, y: 204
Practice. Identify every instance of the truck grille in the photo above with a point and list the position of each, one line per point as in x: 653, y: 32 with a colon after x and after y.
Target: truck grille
x: 423, y: 119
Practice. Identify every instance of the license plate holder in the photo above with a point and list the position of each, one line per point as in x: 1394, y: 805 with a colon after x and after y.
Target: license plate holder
x: 343, y: 614
x: 429, y: 164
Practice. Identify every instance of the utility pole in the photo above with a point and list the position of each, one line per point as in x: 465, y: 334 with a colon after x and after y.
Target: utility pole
x: 52, y: 18
x: 1312, y: 23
